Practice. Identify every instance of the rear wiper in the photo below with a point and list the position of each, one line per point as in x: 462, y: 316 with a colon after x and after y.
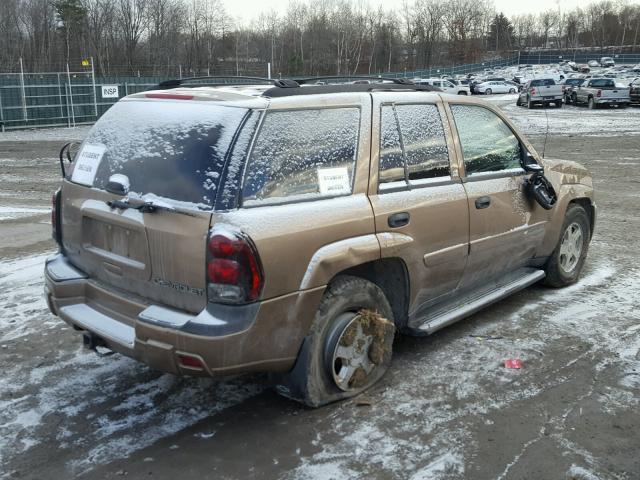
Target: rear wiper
x: 148, y: 207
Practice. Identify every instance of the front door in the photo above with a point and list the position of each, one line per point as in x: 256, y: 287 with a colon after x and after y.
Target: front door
x: 503, y: 234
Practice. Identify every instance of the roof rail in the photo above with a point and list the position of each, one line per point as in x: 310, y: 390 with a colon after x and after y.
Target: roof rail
x: 180, y: 82
x: 314, y: 80
x: 312, y: 89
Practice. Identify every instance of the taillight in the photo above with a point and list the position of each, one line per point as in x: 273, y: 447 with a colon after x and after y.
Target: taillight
x: 599, y: 93
x: 234, y: 273
x: 56, y: 232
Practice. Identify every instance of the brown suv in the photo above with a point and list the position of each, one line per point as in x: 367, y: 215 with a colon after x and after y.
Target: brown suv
x: 292, y: 229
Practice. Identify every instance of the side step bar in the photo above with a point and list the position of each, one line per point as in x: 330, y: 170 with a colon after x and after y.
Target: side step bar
x: 465, y: 306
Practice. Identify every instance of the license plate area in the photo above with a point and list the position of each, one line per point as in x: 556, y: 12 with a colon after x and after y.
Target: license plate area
x: 548, y: 98
x: 120, y: 250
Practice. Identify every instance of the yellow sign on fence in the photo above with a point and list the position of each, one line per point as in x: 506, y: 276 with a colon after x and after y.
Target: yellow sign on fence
x: 85, y: 63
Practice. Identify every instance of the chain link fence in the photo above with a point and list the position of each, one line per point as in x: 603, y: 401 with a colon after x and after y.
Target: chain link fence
x: 69, y: 98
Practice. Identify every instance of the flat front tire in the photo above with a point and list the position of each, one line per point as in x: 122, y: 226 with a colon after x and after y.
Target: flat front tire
x: 565, y: 264
x: 349, y: 346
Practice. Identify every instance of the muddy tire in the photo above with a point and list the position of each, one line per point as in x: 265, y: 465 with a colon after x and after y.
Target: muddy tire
x: 354, y: 316
x: 565, y: 264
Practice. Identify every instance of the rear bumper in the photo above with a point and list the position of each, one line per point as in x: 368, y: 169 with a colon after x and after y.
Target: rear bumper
x: 612, y: 101
x: 264, y: 336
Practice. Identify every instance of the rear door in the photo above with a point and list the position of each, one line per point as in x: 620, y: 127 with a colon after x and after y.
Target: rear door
x: 419, y: 203
x: 505, y: 225
x: 170, y: 153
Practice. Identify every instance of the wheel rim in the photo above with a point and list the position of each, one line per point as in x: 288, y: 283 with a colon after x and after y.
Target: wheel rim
x: 488, y: 91
x: 350, y: 345
x: 571, y: 247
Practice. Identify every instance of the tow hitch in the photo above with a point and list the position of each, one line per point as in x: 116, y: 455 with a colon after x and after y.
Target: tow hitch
x: 93, y: 342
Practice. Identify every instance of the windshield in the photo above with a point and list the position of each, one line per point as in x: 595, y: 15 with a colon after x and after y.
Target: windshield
x: 173, y: 149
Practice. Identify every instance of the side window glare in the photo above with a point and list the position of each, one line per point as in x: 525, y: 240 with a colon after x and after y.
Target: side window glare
x: 300, y: 154
x: 412, y: 143
x: 488, y: 144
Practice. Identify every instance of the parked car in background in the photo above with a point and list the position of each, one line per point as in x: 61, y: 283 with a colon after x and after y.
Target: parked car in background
x: 568, y: 87
x: 445, y: 85
x: 541, y: 91
x: 607, y: 62
x: 597, y: 92
x: 593, y: 63
x: 165, y: 255
x: 634, y: 91
x: 488, y: 88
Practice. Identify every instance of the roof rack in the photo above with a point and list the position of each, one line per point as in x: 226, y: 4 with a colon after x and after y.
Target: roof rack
x: 201, y: 81
x: 314, y: 80
x: 347, y: 88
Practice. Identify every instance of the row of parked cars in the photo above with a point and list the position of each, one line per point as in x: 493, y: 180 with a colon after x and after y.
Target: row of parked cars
x: 594, y: 92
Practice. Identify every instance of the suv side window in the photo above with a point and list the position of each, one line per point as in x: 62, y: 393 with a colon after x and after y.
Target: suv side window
x: 412, y: 143
x: 488, y: 144
x: 300, y: 154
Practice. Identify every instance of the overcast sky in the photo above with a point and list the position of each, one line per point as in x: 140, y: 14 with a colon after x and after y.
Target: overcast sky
x: 246, y: 10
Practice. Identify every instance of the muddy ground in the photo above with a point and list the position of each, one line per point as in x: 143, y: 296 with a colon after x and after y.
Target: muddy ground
x: 447, y: 409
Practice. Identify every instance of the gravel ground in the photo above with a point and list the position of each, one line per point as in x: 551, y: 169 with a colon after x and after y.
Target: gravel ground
x: 447, y: 409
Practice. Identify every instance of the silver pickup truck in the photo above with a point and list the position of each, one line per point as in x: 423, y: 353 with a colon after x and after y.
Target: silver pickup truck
x: 543, y: 91
x: 602, y: 91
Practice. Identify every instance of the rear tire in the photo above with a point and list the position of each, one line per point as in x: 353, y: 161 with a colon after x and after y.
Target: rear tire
x: 317, y: 377
x: 462, y: 92
x: 565, y: 264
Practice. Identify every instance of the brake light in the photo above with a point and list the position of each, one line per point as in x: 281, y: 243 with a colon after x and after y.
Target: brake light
x: 599, y: 93
x: 234, y: 273
x: 56, y: 232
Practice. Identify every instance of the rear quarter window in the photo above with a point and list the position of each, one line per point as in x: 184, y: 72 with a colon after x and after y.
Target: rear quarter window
x: 302, y: 155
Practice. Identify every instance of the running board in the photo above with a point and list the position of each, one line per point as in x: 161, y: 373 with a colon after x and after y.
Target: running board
x: 454, y: 310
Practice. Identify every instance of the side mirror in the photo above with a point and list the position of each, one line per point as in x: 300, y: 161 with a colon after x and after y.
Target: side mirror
x: 533, y: 168
x: 118, y: 184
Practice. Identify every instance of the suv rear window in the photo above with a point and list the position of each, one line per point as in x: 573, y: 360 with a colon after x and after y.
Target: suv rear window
x: 302, y: 154
x: 173, y: 149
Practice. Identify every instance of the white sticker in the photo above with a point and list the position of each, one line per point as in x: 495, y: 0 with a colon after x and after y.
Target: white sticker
x: 334, y: 181
x: 87, y: 163
x: 110, y: 91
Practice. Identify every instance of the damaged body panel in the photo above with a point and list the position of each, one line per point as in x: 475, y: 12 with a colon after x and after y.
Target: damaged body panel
x: 250, y: 238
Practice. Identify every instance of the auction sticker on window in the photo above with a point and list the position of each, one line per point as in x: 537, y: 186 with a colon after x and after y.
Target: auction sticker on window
x: 334, y: 181
x: 87, y: 164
